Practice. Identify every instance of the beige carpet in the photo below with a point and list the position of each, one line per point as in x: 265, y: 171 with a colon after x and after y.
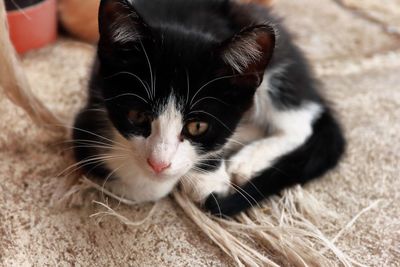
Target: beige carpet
x: 358, y: 61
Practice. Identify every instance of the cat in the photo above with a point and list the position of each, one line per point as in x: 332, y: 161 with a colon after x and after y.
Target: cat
x: 212, y: 96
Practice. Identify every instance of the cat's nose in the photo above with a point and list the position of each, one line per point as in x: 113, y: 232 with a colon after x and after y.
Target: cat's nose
x: 158, y: 166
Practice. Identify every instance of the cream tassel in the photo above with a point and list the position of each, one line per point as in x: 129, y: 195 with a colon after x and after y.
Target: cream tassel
x: 14, y: 83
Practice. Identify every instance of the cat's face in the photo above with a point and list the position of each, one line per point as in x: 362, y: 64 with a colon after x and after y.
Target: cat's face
x: 176, y: 97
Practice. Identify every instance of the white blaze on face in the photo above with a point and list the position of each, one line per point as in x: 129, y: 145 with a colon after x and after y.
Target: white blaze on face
x: 163, y: 143
x: 170, y: 159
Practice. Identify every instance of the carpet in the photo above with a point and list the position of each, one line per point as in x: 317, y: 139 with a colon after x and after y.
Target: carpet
x: 357, y: 61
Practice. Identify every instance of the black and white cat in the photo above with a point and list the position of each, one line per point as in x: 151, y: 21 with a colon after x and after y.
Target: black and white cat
x: 208, y: 94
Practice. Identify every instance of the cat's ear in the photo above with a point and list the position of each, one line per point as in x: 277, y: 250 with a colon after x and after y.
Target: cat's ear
x: 120, y: 23
x: 249, y: 52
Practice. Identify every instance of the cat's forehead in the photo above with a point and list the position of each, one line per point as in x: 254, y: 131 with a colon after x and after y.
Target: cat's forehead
x: 179, y: 52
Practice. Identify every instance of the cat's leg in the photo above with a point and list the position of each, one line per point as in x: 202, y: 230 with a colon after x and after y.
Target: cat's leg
x: 200, y: 184
x: 292, y: 128
x: 282, y: 167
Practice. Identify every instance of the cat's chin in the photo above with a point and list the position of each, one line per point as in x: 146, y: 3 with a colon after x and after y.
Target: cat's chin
x: 137, y: 182
x: 145, y: 189
x: 161, y: 178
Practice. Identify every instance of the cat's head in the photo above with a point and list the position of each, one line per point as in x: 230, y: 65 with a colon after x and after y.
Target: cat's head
x: 177, y: 93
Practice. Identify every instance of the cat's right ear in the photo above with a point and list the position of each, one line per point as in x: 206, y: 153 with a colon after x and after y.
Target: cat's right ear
x: 120, y: 23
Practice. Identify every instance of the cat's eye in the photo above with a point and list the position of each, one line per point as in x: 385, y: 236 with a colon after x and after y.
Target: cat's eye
x: 196, y: 128
x: 137, y: 117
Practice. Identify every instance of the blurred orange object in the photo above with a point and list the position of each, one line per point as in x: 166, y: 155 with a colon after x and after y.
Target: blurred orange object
x: 79, y: 17
x: 34, y: 26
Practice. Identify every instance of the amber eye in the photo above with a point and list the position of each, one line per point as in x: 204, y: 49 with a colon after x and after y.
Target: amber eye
x: 196, y: 128
x: 137, y: 117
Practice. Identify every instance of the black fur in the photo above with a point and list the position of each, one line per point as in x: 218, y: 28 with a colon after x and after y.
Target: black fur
x: 181, y: 39
x: 319, y: 154
x: 181, y: 44
x: 184, y: 39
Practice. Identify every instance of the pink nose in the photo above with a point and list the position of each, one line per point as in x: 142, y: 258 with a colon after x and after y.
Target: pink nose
x: 158, y: 167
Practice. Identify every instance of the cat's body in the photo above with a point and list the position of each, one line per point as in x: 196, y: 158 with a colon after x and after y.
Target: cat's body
x: 202, y: 93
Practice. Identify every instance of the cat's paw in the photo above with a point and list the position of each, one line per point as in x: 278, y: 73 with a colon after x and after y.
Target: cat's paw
x: 198, y: 186
x: 240, y: 168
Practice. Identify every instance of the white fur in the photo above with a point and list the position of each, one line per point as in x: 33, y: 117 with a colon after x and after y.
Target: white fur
x: 242, y: 53
x: 136, y: 179
x: 138, y: 182
x: 124, y: 30
x: 290, y: 129
x: 123, y: 34
x: 263, y: 113
x: 163, y: 142
x: 257, y: 122
x: 200, y: 185
x: 244, y: 134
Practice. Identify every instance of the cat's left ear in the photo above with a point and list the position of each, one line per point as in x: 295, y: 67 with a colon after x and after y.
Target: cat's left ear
x: 120, y: 23
x: 249, y: 52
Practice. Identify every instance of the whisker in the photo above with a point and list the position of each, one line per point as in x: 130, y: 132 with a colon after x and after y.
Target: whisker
x: 109, y: 176
x: 235, y: 141
x: 86, y: 146
x: 127, y: 94
x: 88, y: 141
x: 94, y: 167
x: 83, y: 141
x: 237, y: 188
x: 189, y: 179
x: 96, y: 147
x: 155, y: 82
x: 205, y: 164
x: 150, y: 68
x: 89, y: 160
x: 241, y: 191
x: 97, y: 162
x: 219, y: 207
x: 96, y: 109
x: 194, y: 186
x: 97, y: 135
x: 204, y: 112
x: 215, y: 159
x: 188, y: 87
x: 94, y: 144
x: 207, y: 97
x: 210, y: 82
x: 218, y: 79
x: 133, y: 75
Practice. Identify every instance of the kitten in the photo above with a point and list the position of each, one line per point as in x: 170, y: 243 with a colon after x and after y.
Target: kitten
x: 210, y: 94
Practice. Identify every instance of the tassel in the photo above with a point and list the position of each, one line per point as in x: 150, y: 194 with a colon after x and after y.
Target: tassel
x: 14, y: 84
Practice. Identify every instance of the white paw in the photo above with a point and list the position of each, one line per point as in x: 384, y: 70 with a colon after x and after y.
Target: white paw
x: 240, y: 167
x: 199, y: 186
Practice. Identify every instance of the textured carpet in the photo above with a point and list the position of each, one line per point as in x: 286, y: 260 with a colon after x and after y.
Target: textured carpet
x: 358, y: 62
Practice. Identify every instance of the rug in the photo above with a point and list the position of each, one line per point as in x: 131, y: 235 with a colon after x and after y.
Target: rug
x: 357, y: 61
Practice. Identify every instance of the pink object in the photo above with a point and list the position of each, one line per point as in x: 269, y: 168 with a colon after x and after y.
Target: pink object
x: 158, y: 167
x: 34, y: 26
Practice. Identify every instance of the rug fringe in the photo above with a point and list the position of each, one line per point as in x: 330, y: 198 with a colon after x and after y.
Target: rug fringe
x: 14, y: 84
